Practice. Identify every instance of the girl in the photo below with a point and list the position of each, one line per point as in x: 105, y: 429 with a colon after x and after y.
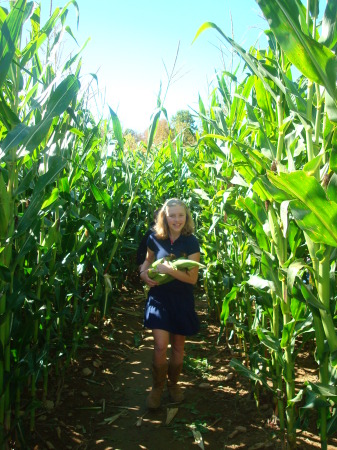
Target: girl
x: 169, y: 309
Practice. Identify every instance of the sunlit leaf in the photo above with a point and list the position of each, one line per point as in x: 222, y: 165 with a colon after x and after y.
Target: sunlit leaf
x: 51, y: 199
x: 10, y: 33
x: 313, y: 212
x: 314, y: 60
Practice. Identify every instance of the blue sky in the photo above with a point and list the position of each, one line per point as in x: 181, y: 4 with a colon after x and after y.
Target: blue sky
x: 132, y: 41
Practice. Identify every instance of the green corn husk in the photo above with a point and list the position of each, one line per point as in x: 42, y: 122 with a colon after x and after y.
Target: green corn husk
x: 177, y: 264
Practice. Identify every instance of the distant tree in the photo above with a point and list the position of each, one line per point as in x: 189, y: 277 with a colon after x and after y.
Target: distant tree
x: 183, y: 123
x: 132, y: 138
x: 130, y: 141
x: 131, y: 132
x: 162, y: 132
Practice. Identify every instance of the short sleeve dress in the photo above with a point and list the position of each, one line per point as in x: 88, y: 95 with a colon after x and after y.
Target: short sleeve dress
x: 170, y: 306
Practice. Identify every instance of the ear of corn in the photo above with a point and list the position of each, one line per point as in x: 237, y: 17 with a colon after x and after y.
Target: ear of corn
x: 177, y: 264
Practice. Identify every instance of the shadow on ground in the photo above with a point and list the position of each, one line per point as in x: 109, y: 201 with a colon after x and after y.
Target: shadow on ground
x: 100, y: 404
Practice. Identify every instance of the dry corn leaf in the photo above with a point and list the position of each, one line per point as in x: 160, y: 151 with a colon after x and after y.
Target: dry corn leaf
x: 234, y: 433
x: 198, y: 438
x: 205, y: 386
x: 86, y: 371
x: 112, y: 419
x: 139, y: 422
x: 171, y: 413
x: 259, y: 446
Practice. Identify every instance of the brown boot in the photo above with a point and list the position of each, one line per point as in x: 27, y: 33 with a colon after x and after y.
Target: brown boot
x: 175, y: 392
x: 159, y: 373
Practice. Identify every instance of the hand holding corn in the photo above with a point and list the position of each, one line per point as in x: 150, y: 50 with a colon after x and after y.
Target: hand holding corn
x: 164, y: 268
x: 161, y: 269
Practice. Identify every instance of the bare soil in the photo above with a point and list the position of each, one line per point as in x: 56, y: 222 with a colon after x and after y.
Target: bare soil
x: 100, y: 403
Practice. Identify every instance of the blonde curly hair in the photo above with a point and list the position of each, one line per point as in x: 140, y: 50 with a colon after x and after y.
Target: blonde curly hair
x: 161, y: 227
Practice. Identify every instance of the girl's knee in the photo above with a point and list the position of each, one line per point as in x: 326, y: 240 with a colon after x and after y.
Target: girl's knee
x: 160, y: 347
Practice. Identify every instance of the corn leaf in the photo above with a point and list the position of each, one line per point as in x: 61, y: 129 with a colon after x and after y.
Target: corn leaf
x: 314, y: 60
x: 313, y: 212
x: 331, y: 108
x: 332, y: 425
x: 325, y: 390
x: 253, y: 63
x: 74, y: 58
x: 29, y: 244
x: 4, y: 207
x: 51, y: 199
x: 117, y: 128
x: 5, y: 274
x: 240, y: 368
x: 309, y: 296
x: 31, y: 213
x: 10, y: 33
x: 57, y: 104
x: 153, y: 127
x: 101, y: 196
x: 292, y: 272
x: 332, y: 188
x: 31, y: 49
x: 313, y: 401
x: 232, y: 295
x: 329, y: 24
x: 7, y: 115
x: 287, y: 333
x: 267, y: 339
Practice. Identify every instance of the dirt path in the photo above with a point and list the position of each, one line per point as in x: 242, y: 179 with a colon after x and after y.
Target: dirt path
x: 102, y: 399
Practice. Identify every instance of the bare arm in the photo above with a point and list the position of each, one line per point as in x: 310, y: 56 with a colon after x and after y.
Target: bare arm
x: 188, y: 276
x: 150, y: 256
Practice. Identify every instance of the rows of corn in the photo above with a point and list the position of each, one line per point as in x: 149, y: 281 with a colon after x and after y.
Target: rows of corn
x: 275, y: 134
x: 261, y: 182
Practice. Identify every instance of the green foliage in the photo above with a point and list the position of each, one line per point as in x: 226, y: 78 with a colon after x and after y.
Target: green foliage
x: 183, y: 124
x: 76, y: 195
x: 268, y: 134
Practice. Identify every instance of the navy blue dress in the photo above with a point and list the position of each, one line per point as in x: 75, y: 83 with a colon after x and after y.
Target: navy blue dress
x: 170, y: 306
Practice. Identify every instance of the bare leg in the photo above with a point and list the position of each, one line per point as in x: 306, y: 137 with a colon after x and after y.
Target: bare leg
x: 177, y: 348
x: 175, y: 367
x: 159, y: 368
x: 161, y: 342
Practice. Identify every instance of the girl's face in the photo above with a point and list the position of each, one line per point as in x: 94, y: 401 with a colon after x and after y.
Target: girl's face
x: 176, y: 218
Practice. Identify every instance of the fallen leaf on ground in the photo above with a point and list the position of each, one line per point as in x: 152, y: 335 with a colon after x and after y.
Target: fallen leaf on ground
x: 112, y: 419
x: 233, y: 434
x: 258, y: 446
x: 140, y: 420
x: 205, y: 386
x: 198, y: 438
x: 171, y: 413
